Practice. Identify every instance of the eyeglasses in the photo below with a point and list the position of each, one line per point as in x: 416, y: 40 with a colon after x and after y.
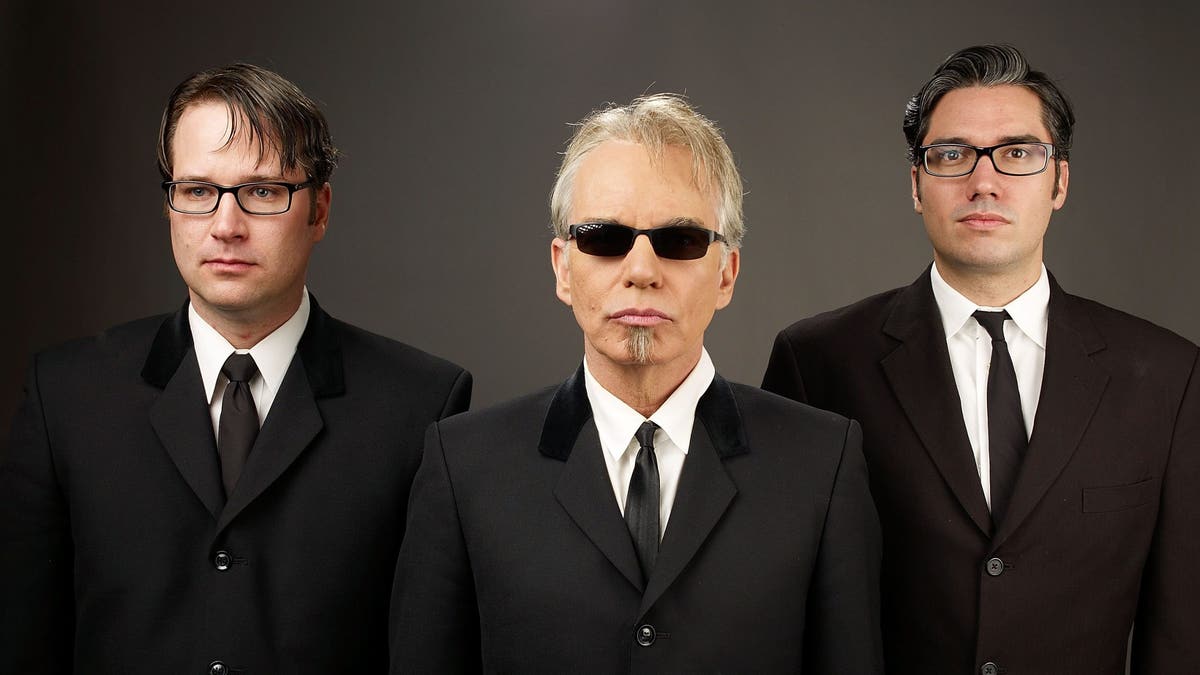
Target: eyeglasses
x: 949, y: 160
x: 264, y: 198
x: 677, y: 242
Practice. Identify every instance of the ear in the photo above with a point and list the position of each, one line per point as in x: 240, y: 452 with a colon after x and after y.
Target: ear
x: 320, y: 216
x: 729, y: 275
x: 916, y: 190
x: 1064, y: 176
x: 560, y: 262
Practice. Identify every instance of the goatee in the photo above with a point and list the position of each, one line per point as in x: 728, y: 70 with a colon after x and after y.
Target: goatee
x: 638, y: 343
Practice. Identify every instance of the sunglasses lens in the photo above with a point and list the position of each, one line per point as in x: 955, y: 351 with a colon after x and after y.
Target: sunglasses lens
x: 604, y: 239
x: 680, y: 243
x: 611, y: 240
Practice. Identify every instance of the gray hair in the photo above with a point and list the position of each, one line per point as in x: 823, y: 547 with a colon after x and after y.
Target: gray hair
x: 657, y: 122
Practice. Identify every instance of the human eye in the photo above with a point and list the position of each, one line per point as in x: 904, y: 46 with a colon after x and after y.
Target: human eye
x: 264, y: 192
x: 951, y: 154
x: 1017, y: 152
x: 195, y: 191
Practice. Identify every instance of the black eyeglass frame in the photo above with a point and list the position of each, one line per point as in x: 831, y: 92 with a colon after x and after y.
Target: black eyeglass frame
x: 980, y: 153
x: 292, y: 189
x: 653, y: 234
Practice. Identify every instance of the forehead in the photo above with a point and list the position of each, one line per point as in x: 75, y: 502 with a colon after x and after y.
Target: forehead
x: 620, y: 180
x: 202, y: 148
x: 986, y: 115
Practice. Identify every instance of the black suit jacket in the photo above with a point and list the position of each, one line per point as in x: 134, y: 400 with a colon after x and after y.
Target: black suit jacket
x: 517, y: 558
x: 1101, y: 533
x: 112, y: 514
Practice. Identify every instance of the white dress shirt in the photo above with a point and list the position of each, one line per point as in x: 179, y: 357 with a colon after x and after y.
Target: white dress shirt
x: 617, y: 422
x: 970, y: 349
x: 273, y: 354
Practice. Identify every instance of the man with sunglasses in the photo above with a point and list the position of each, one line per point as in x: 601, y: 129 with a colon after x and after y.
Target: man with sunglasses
x: 646, y: 515
x: 221, y: 490
x: 1035, y: 456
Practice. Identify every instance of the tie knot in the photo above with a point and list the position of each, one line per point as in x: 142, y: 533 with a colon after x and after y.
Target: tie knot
x: 645, y: 434
x: 992, y: 322
x: 239, y: 367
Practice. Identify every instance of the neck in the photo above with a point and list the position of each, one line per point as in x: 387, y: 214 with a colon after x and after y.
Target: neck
x: 643, y: 387
x: 990, y: 288
x: 243, y: 329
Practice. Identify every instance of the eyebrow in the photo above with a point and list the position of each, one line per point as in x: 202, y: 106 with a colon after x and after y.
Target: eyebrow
x: 959, y: 140
x: 679, y: 221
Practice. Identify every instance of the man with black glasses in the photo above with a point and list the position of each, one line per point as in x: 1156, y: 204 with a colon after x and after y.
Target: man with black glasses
x: 645, y: 516
x: 1035, y: 456
x: 221, y: 490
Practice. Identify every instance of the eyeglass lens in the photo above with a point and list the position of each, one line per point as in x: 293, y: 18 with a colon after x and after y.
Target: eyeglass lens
x: 256, y: 198
x: 1018, y: 159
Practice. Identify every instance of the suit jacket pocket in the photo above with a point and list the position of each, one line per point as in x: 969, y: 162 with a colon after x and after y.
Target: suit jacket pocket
x: 1119, y: 497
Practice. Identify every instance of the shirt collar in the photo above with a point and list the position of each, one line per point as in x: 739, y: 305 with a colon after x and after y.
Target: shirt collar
x: 273, y: 354
x: 616, y: 422
x: 1029, y: 310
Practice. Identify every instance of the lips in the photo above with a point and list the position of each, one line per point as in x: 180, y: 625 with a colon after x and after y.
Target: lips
x: 983, y: 220
x: 228, y: 265
x: 639, y: 317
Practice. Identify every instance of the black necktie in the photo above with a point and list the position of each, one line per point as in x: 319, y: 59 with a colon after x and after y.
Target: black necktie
x: 641, y: 504
x: 239, y: 418
x: 1007, y: 439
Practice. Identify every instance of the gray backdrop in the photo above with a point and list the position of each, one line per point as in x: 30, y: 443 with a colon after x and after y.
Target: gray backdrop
x: 451, y: 116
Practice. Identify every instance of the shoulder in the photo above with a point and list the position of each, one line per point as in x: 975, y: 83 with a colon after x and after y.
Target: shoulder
x: 370, y: 352
x: 519, y: 417
x: 868, y: 314
x: 129, y: 341
x: 785, y: 437
x: 764, y: 409
x: 1125, y: 342
x: 1119, y: 328
x: 788, y: 433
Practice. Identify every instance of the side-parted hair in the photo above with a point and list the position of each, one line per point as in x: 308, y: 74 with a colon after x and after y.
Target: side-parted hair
x: 988, y: 66
x: 657, y: 122
x: 279, y: 115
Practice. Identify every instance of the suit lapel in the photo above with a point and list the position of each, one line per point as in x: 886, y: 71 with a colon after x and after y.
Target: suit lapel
x: 180, y: 415
x: 584, y: 490
x: 921, y: 377
x: 1072, y: 385
x: 705, y: 488
x: 295, y: 418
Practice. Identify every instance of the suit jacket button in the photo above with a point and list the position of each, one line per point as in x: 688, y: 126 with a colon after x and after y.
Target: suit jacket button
x: 221, y: 561
x: 989, y: 668
x: 995, y: 567
x: 217, y: 668
x: 646, y: 635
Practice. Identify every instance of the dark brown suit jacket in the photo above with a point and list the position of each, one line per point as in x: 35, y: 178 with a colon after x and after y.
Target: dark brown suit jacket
x: 119, y: 552
x: 517, y: 558
x: 1103, y: 532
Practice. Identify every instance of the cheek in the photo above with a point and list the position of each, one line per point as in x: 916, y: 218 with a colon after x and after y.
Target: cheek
x: 181, y: 240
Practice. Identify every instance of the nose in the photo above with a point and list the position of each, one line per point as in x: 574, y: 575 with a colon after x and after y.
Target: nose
x: 642, y: 267
x: 984, y: 181
x: 228, y: 221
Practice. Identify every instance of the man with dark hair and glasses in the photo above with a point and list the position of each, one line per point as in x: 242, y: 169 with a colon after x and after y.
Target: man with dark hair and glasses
x: 1034, y: 455
x: 221, y: 490
x: 645, y: 516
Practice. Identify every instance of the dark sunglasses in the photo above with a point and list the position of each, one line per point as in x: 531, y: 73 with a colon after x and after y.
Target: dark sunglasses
x: 679, y: 242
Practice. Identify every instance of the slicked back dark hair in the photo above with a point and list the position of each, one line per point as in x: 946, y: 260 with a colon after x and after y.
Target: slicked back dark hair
x: 989, y: 66
x: 279, y: 115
